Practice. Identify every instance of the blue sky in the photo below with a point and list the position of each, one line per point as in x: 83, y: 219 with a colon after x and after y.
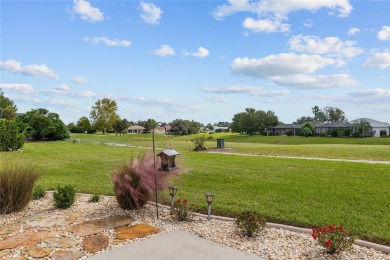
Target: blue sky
x: 197, y: 60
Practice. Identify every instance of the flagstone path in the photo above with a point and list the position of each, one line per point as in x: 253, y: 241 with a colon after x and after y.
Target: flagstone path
x: 62, y: 234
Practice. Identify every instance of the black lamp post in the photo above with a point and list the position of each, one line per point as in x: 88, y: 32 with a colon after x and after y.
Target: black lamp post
x: 172, y: 192
x: 209, y: 200
x: 154, y: 164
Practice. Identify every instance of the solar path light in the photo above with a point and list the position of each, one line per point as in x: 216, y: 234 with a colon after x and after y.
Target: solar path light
x: 209, y: 200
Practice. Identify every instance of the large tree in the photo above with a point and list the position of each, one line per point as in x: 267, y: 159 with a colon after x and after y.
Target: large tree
x: 185, y: 127
x: 362, y: 127
x: 42, y: 125
x: 84, y: 124
x: 334, y: 114
x: 103, y: 114
x: 253, y: 121
x: 7, y: 107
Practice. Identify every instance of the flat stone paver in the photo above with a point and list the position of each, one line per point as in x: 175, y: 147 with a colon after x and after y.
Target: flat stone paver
x: 137, y: 231
x: 60, y: 242
x: 95, y: 243
x: 24, y: 239
x: 36, y: 252
x: 66, y: 255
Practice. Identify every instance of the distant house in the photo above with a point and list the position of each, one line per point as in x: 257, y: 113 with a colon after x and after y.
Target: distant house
x: 135, y: 129
x: 162, y: 129
x: 377, y: 126
x: 287, y: 129
x: 325, y: 128
x: 221, y: 129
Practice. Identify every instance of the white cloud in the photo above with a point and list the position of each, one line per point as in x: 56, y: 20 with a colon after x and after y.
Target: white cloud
x: 378, y: 60
x: 201, y: 53
x: 250, y: 90
x: 372, y: 93
x: 151, y: 13
x: 283, y: 64
x: 29, y: 70
x: 317, y: 82
x: 63, y: 87
x: 384, y: 34
x: 265, y: 25
x: 331, y: 46
x: 164, y: 50
x: 19, y: 88
x: 364, y: 96
x: 217, y: 99
x: 63, y: 92
x: 290, y: 69
x: 308, y: 23
x: 87, y: 11
x: 353, y: 31
x: 281, y: 7
x: 80, y: 80
x: 108, y: 42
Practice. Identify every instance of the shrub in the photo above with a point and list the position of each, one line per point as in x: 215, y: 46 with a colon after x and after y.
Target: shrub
x: 180, y: 210
x: 64, y: 196
x: 382, y: 133
x: 334, y: 239
x: 16, y: 185
x: 199, y: 143
x: 94, y: 198
x: 134, y: 181
x: 38, y: 193
x: 249, y: 222
x: 10, y: 137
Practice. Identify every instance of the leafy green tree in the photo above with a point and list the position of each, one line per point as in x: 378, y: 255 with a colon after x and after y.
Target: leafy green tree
x: 315, y: 110
x: 119, y: 126
x: 334, y: 114
x: 10, y: 137
x: 185, y: 127
x: 84, y: 124
x: 7, y: 107
x: 222, y: 124
x: 306, y: 131
x: 253, y: 121
x: 43, y: 125
x: 303, y: 119
x: 362, y: 127
x: 210, y: 126
x: 103, y: 114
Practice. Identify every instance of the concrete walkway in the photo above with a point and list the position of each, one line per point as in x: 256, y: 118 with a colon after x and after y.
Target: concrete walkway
x: 175, y: 245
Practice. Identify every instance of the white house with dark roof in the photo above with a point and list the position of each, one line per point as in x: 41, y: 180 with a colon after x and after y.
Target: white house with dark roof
x: 377, y: 126
x: 135, y: 129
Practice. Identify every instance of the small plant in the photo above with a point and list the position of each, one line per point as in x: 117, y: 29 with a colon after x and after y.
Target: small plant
x: 64, y: 196
x: 333, y: 238
x: 199, y: 143
x: 180, y: 209
x: 38, y: 192
x: 16, y: 185
x: 94, y: 198
x: 134, y: 181
x: 250, y: 222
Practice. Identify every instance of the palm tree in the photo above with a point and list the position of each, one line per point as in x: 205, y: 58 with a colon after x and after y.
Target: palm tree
x: 361, y: 127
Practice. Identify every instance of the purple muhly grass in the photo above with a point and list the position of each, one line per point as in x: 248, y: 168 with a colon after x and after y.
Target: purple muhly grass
x: 134, y: 182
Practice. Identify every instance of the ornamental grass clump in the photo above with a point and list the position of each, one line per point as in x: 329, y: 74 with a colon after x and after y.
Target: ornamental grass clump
x: 249, y: 222
x: 333, y: 238
x: 180, y: 209
x: 16, y: 184
x: 135, y: 181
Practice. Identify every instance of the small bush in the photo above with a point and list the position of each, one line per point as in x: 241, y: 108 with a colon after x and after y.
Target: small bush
x: 134, y: 181
x: 334, y: 239
x: 199, y: 143
x: 16, y: 184
x: 64, y: 196
x: 180, y: 210
x: 249, y: 222
x: 94, y: 198
x: 38, y: 193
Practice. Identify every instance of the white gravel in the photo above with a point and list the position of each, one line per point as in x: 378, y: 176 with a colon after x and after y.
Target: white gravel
x: 272, y: 243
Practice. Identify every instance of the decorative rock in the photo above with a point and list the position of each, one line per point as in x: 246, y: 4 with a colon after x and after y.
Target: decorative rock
x: 96, y: 243
x: 32, y: 217
x: 137, y: 231
x: 36, y: 252
x: 93, y: 227
x: 4, y: 252
x: 60, y: 242
x: 25, y: 239
x: 72, y: 218
x: 67, y: 255
x: 49, y: 222
x: 8, y: 229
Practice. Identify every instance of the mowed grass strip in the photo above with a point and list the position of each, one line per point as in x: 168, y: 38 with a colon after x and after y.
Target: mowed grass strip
x: 291, y: 191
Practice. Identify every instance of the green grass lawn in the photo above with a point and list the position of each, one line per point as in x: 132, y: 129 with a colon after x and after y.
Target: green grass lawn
x: 291, y: 191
